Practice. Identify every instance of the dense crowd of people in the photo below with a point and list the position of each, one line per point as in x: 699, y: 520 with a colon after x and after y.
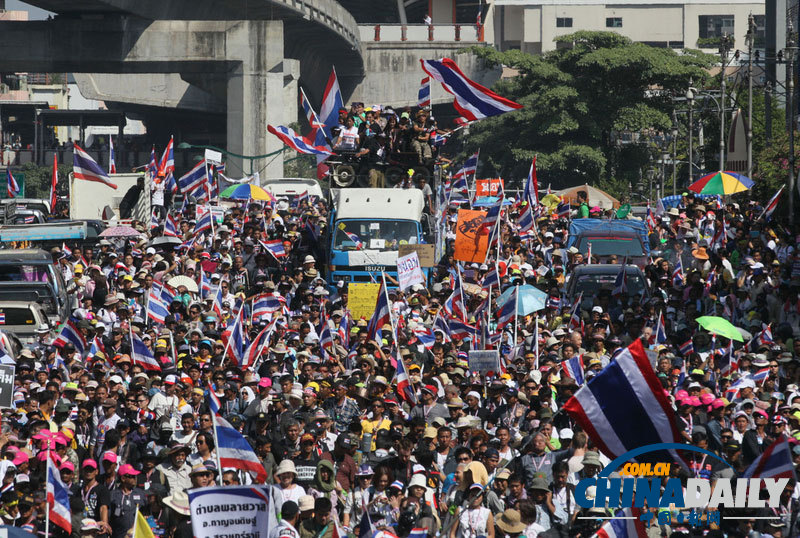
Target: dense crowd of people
x: 459, y: 454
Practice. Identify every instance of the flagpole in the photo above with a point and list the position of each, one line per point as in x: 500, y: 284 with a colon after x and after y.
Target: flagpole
x: 135, y: 521
x: 172, y: 345
x: 228, y: 344
x: 489, y: 247
x: 536, y: 339
x: 461, y: 291
x: 389, y: 304
x: 516, y: 314
x: 47, y: 480
x: 216, y: 442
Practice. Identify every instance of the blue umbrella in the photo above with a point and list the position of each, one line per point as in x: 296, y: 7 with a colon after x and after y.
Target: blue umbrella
x: 531, y: 299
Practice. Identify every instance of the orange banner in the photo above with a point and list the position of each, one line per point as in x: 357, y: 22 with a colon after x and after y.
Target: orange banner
x: 488, y: 187
x: 471, y: 239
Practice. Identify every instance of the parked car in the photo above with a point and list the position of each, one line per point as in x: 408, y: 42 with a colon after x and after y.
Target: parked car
x: 22, y: 318
x: 30, y: 275
x: 592, y: 279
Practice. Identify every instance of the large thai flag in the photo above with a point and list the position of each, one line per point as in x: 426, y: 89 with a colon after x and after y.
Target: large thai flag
x: 508, y: 311
x: 255, y: 348
x: 531, y: 192
x: 12, y: 187
x: 167, y: 160
x: 473, y: 101
x: 70, y: 333
x: 382, y: 315
x: 525, y: 221
x: 297, y: 142
x: 573, y: 369
x: 84, y: 167
x: 236, y: 340
x: 58, y: 498
x: 424, y: 94
x: 331, y: 102
x: 624, y: 406
x: 461, y: 330
x: 142, y: 355
x: 677, y: 274
x: 235, y: 452
x: 194, y: 178
x: 769, y: 209
x: 203, y: 223
x: 774, y: 462
x: 112, y: 162
x: 274, y: 247
x: 404, y: 388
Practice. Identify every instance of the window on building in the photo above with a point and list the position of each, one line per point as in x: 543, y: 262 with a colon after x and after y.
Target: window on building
x: 715, y: 25
x: 563, y: 22
x: 761, y: 27
x: 613, y: 22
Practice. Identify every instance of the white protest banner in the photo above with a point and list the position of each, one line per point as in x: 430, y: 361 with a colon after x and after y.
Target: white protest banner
x: 230, y: 511
x: 484, y: 361
x: 409, y: 271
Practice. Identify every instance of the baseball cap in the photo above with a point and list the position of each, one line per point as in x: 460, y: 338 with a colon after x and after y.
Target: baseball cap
x: 110, y: 457
x: 171, y: 379
x: 128, y: 470
x: 89, y: 463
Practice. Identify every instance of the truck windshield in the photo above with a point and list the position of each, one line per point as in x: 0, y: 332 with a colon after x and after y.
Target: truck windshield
x: 382, y: 235
x: 17, y: 316
x: 611, y: 245
x: 23, y: 273
x: 591, y: 284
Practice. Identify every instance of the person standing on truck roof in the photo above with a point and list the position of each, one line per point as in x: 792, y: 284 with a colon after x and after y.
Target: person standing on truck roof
x: 583, y: 203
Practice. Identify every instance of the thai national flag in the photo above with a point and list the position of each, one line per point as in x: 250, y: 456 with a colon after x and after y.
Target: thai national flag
x: 236, y: 340
x: 203, y: 223
x: 97, y: 346
x: 404, y: 388
x: 381, y: 316
x: 620, y: 283
x: 214, y: 403
x: 425, y: 336
x: 311, y: 116
x: 531, y: 192
x: 205, y: 284
x: 677, y: 274
x: 573, y: 369
x: 154, y: 220
x: 142, y: 355
x: 297, y: 142
x: 659, y: 334
x: 774, y: 462
x: 470, y: 168
x: 472, y: 100
x: 440, y: 324
x: 112, y: 163
x: 461, y: 330
x: 152, y: 166
x: 167, y: 160
x: 170, y: 185
x: 12, y: 185
x: 266, y: 304
x: 491, y: 279
x: 687, y: 348
x: 424, y: 95
x: 454, y: 305
x: 194, y: 178
x: 158, y: 301
x: 575, y: 321
x: 650, y: 218
x: 526, y: 220
x: 493, y: 214
x: 354, y: 238
x: 216, y: 305
x: 235, y: 452
x: 255, y: 348
x: 418, y: 533
x: 171, y: 227
x: 730, y: 364
x: 562, y: 210
x: 760, y: 376
x: 85, y: 168
x: 274, y: 247
x: 508, y: 312
x: 627, y: 524
x: 769, y: 209
x: 331, y: 102
x: 438, y: 140
x: 70, y: 333
x: 624, y: 407
x: 58, y: 498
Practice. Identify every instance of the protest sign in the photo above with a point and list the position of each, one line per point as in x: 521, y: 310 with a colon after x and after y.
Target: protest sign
x: 484, y: 361
x: 426, y: 253
x: 471, y: 238
x: 488, y: 187
x: 409, y: 271
x: 230, y: 511
x: 7, y: 385
x: 361, y: 299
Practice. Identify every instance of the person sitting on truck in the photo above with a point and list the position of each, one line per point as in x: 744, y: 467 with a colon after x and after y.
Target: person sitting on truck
x: 421, y: 136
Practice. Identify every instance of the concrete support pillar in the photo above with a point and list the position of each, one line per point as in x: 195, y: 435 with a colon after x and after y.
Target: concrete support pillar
x: 255, y: 94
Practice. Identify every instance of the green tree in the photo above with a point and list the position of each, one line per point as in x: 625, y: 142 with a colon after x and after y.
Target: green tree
x: 574, y: 98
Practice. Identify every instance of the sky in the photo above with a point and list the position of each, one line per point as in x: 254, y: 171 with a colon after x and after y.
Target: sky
x: 35, y: 12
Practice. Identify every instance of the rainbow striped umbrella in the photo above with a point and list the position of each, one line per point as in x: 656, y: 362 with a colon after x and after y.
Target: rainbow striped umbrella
x: 722, y: 182
x: 246, y: 191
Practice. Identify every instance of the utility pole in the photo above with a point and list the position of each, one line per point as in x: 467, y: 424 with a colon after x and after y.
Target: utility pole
x: 690, y: 100
x: 750, y: 39
x: 724, y: 47
x: 790, y: 51
x: 674, y: 150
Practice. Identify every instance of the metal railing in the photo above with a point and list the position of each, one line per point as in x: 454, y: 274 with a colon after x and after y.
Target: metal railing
x: 445, y: 33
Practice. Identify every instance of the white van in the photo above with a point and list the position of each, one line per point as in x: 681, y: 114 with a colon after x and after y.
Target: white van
x: 291, y: 188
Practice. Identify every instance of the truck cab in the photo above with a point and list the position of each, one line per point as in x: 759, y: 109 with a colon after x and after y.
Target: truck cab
x: 366, y: 229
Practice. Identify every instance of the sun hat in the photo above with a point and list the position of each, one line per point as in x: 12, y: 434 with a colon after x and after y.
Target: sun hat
x: 510, y: 522
x: 178, y: 501
x: 286, y: 466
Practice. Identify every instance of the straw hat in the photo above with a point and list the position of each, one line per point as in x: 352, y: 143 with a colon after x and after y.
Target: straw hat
x: 285, y: 466
x: 178, y: 501
x: 510, y: 522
